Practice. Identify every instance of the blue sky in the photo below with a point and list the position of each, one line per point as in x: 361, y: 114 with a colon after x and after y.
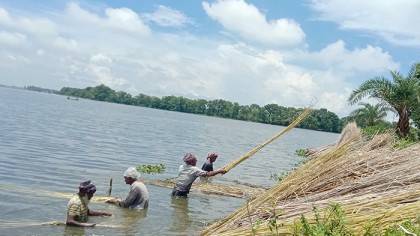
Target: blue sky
x: 251, y: 52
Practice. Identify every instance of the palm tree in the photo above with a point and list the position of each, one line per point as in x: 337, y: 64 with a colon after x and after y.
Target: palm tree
x: 401, y: 94
x: 370, y: 115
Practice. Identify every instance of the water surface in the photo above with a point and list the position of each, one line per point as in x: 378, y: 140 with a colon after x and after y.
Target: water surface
x: 50, y: 143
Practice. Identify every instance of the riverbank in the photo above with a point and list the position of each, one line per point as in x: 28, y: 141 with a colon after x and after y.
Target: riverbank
x: 376, y: 185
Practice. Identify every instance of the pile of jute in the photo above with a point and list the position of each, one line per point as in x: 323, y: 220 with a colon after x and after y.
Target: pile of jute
x: 376, y: 185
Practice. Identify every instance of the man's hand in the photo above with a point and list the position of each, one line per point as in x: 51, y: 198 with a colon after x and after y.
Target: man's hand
x: 222, y: 171
x: 113, y: 201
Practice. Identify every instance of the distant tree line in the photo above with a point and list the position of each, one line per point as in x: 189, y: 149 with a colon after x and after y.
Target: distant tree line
x: 39, y: 89
x: 401, y: 95
x: 274, y: 114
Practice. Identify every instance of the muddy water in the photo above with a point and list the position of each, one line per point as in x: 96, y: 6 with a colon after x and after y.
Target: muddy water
x: 48, y: 144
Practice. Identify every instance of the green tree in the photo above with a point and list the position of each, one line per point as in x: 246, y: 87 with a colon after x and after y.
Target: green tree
x: 401, y: 94
x: 415, y: 111
x: 103, y: 93
x: 272, y: 110
x: 270, y: 114
x: 369, y: 115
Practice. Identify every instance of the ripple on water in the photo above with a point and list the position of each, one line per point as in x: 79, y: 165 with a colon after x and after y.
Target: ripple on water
x: 49, y: 144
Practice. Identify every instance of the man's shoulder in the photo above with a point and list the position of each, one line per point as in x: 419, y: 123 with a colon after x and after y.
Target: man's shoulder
x: 74, y: 199
x: 139, y: 184
x: 195, y: 168
x: 207, y: 164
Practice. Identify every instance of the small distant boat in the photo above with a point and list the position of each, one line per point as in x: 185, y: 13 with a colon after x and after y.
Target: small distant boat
x: 71, y: 98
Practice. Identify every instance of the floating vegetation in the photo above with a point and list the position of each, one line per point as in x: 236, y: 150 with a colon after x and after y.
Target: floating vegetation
x: 151, y: 169
x: 301, y: 152
x: 279, y: 177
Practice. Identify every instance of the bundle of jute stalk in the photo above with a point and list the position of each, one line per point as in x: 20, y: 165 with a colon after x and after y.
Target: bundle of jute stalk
x: 376, y: 211
x: 374, y: 184
x: 242, y: 158
x: 215, y: 189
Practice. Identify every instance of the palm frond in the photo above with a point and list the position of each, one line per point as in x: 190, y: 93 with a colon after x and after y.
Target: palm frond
x: 375, y: 88
x: 414, y: 71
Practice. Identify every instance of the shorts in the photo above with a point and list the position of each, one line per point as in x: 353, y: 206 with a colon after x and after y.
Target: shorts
x: 177, y: 193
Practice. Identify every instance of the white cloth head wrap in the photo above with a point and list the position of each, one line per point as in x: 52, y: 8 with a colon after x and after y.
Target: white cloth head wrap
x: 132, y: 173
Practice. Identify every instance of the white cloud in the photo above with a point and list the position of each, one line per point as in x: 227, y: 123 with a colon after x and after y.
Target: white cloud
x: 168, y: 17
x: 5, y: 18
x: 69, y: 45
x: 127, y: 20
x: 104, y: 75
x: 294, y: 78
x: 370, y: 58
x: 13, y: 39
x: 387, y: 19
x: 335, y: 102
x: 89, y: 48
x: 116, y: 19
x: 101, y: 59
x: 37, y: 26
x: 75, y: 12
x: 246, y: 20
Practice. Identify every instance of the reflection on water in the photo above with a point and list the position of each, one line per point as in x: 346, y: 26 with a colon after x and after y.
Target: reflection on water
x: 130, y: 219
x: 180, y: 214
x: 73, y: 231
x: 49, y: 144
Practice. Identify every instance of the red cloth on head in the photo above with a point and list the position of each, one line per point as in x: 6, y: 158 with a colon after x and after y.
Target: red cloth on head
x: 189, y: 157
x: 213, y: 154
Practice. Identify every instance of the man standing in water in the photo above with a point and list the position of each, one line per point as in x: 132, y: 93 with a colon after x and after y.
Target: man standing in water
x: 77, y: 208
x: 208, y: 165
x: 138, y: 197
x: 187, y: 174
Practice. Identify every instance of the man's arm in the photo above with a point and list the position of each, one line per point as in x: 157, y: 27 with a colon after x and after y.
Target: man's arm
x: 71, y: 221
x: 114, y: 200
x: 131, y: 197
x: 219, y: 171
x: 97, y: 213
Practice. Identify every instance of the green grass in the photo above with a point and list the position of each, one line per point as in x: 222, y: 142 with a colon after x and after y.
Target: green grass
x: 332, y: 222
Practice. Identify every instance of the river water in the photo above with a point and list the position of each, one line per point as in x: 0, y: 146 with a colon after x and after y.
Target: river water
x: 49, y: 144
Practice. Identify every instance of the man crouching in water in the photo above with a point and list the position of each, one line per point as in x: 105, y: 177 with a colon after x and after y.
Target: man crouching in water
x: 138, y: 197
x: 187, y: 174
x: 77, y: 208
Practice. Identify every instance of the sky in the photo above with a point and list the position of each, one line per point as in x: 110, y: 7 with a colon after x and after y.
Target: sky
x: 286, y: 52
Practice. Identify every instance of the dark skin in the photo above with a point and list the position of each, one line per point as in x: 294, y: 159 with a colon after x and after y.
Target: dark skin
x: 210, y: 173
x: 71, y: 221
x: 129, y: 181
x: 212, y: 159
